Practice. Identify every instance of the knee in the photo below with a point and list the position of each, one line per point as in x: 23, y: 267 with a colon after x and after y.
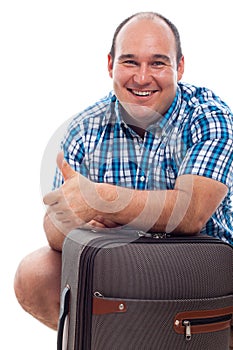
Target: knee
x: 37, y: 285
x: 24, y: 281
x: 36, y: 277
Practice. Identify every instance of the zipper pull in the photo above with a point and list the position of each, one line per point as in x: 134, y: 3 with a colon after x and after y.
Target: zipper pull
x: 160, y: 235
x: 98, y: 295
x: 143, y: 234
x: 155, y: 235
x: 187, y: 325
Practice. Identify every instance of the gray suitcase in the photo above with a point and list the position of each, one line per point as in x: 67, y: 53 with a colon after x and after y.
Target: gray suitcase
x: 134, y: 291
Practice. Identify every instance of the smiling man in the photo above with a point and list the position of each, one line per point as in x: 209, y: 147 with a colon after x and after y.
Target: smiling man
x: 145, y: 64
x: 155, y: 154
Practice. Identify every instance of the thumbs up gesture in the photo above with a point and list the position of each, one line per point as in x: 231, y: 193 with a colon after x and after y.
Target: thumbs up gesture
x: 66, y: 170
x: 69, y: 206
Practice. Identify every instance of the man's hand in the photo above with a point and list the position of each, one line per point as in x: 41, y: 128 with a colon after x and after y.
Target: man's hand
x: 67, y: 207
x: 71, y: 206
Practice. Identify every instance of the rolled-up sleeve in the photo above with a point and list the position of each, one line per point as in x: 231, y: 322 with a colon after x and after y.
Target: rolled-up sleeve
x: 211, y: 148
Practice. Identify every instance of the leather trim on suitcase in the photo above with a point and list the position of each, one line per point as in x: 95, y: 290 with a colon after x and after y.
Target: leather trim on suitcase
x: 130, y: 330
x: 103, y: 306
x: 203, y: 321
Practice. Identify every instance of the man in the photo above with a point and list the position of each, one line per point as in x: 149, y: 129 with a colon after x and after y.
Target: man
x: 155, y: 154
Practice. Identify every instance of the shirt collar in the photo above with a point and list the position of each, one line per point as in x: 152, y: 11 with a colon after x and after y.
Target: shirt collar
x: 171, y: 115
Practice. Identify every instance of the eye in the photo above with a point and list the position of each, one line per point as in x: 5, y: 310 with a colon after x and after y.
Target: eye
x: 130, y: 63
x: 158, y: 64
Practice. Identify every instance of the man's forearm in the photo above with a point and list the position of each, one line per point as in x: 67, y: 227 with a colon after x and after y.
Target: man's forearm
x: 185, y: 209
x: 157, y: 211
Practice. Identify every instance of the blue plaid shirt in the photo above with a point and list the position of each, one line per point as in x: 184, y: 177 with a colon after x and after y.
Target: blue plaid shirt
x: 195, y: 137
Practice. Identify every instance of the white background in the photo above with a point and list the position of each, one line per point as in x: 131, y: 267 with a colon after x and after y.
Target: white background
x: 53, y: 63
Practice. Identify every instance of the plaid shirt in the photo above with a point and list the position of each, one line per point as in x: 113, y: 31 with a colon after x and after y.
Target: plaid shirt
x: 195, y: 137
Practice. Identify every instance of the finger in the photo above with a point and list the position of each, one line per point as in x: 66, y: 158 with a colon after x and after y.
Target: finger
x: 51, y: 198
x: 106, y: 222
x: 65, y: 168
x: 59, y: 209
x: 94, y: 223
x: 63, y: 215
x: 66, y: 224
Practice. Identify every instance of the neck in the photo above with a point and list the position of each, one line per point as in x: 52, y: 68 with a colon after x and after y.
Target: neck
x: 139, y: 126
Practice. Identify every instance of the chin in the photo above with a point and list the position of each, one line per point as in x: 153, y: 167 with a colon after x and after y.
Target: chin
x: 142, y: 114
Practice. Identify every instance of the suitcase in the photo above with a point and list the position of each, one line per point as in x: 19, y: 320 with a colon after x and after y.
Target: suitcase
x: 128, y: 290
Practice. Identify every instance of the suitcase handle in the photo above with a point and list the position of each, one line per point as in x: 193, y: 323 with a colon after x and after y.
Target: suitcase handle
x: 63, y: 318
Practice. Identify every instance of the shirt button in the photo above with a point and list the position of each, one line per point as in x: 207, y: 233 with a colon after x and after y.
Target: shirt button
x: 142, y: 178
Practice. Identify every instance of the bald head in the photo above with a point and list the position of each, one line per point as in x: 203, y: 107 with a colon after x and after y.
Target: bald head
x: 150, y: 16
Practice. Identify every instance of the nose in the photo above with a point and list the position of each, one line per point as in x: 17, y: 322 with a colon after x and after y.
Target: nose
x: 142, y: 76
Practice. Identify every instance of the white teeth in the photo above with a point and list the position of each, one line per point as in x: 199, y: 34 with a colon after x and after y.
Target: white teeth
x: 142, y: 93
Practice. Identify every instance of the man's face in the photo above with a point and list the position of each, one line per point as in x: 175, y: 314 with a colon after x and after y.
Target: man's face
x: 144, y: 70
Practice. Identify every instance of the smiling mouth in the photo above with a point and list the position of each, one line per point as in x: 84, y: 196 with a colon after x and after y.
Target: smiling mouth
x: 141, y: 93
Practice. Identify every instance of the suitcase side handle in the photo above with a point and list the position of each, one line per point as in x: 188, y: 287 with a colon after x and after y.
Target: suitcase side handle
x: 63, y: 318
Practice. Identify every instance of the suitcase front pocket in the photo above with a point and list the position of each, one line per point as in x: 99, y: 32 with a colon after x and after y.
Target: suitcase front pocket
x: 196, y: 322
x: 132, y: 324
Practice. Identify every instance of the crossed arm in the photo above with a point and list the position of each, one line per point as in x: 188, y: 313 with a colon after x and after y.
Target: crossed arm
x: 185, y: 209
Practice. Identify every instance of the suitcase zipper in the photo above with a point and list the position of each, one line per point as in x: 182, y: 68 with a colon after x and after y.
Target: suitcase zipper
x: 202, y: 322
x: 154, y: 235
x: 187, y: 325
x: 168, y: 238
x: 84, y: 298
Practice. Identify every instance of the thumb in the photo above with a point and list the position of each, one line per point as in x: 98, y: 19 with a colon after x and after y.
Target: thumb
x: 65, y: 168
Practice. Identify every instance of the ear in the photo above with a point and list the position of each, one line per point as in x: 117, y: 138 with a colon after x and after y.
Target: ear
x: 180, y: 69
x: 110, y: 65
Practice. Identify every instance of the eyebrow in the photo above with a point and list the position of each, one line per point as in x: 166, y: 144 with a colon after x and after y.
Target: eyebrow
x: 156, y: 56
x: 125, y: 57
x: 163, y: 57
